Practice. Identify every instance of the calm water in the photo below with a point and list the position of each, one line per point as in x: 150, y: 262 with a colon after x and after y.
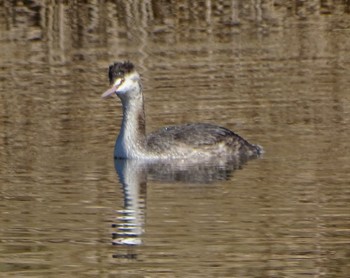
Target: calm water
x: 276, y: 72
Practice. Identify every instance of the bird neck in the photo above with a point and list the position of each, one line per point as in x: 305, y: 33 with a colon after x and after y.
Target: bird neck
x: 132, y: 136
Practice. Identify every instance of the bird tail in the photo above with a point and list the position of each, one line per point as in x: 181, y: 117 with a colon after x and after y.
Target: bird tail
x: 259, y: 150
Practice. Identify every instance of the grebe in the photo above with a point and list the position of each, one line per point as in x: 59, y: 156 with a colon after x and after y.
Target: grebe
x: 187, y: 141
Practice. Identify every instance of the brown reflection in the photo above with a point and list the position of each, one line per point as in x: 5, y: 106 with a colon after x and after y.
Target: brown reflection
x: 63, y: 26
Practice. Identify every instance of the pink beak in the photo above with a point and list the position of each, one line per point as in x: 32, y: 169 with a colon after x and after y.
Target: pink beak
x: 109, y: 92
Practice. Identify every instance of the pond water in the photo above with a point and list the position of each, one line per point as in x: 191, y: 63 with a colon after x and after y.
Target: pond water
x: 276, y: 72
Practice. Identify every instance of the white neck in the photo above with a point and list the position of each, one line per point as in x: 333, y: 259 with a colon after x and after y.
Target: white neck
x: 131, y: 138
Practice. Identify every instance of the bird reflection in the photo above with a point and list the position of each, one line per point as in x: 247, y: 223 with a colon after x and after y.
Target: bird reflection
x: 133, y: 176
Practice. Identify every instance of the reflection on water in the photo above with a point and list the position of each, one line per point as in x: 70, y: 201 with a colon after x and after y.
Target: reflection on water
x: 274, y: 71
x: 133, y: 176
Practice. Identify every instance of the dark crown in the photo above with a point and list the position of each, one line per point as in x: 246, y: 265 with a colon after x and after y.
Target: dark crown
x: 118, y: 70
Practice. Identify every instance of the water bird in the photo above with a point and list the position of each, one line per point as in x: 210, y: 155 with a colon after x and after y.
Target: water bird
x: 190, y: 141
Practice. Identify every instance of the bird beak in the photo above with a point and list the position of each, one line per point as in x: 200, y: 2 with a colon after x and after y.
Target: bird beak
x: 113, y: 89
x: 109, y: 92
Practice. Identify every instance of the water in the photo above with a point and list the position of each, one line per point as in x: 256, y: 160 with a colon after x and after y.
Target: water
x: 276, y: 73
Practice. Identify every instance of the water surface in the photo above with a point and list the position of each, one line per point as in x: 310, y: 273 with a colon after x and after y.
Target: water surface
x: 276, y: 73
